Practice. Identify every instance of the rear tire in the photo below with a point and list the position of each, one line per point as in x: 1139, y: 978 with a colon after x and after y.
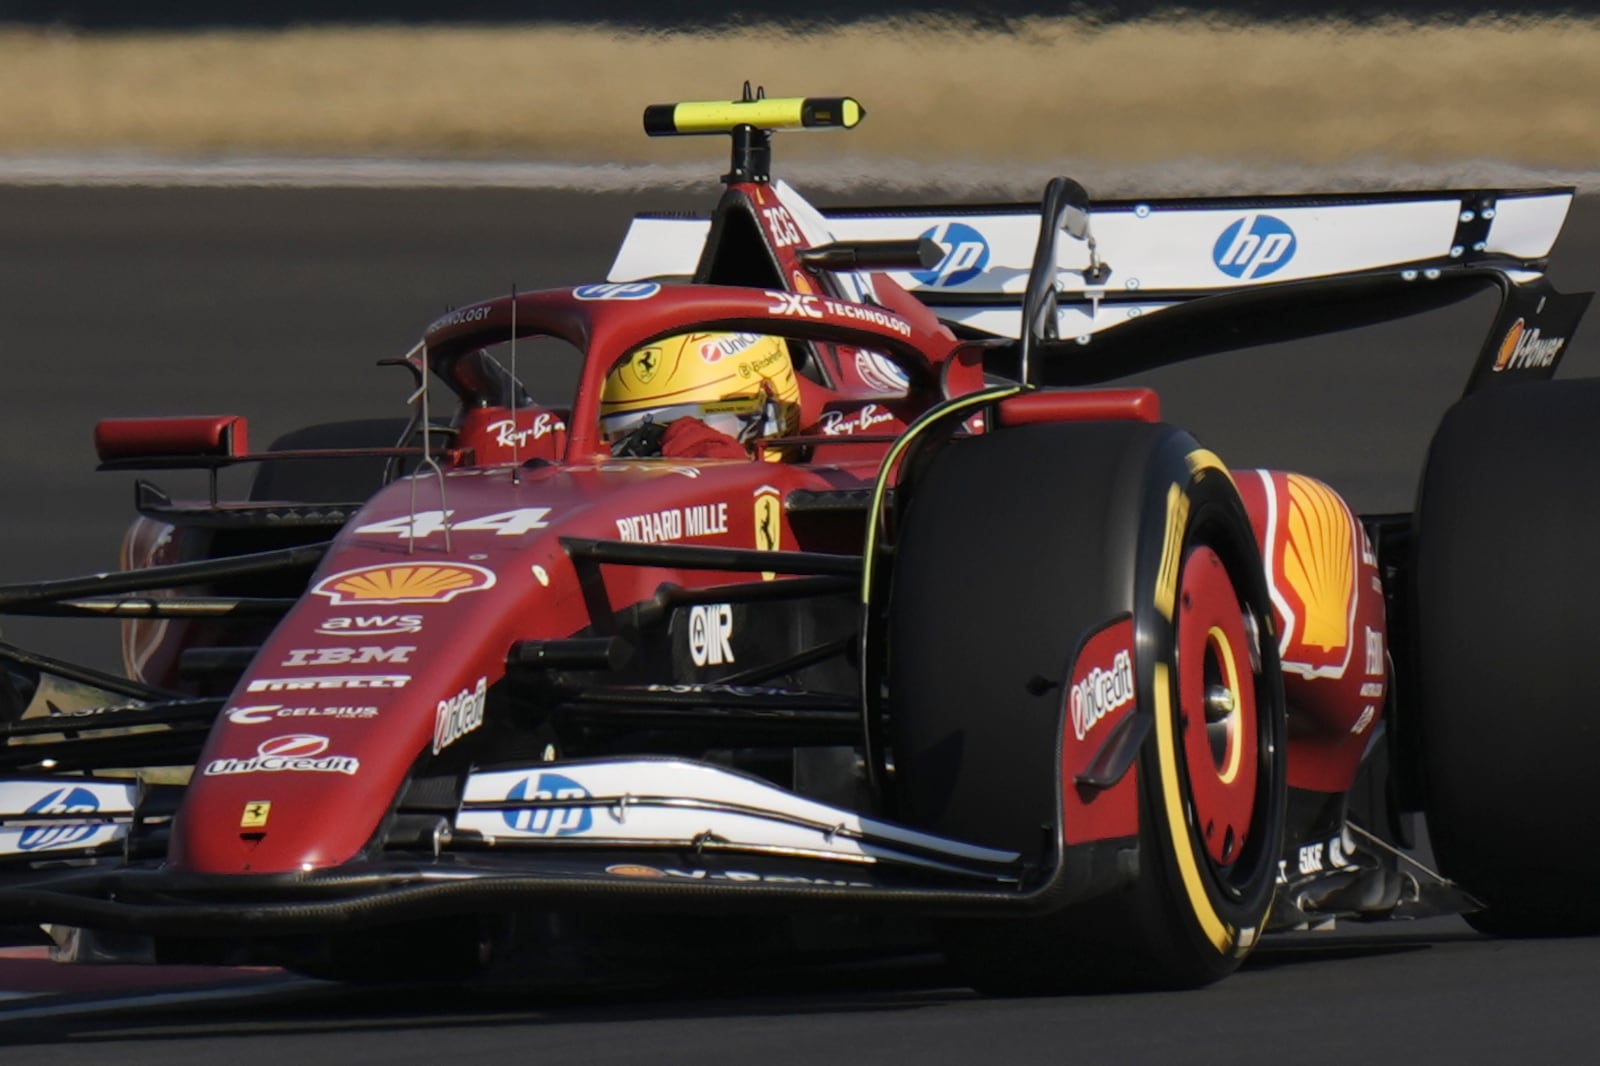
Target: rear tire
x: 1508, y: 607
x: 1014, y: 547
x: 328, y: 480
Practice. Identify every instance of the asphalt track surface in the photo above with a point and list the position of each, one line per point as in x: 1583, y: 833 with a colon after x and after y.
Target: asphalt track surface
x: 275, y: 304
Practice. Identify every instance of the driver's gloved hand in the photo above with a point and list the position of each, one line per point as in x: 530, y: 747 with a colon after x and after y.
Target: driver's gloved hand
x: 642, y: 443
x: 690, y: 438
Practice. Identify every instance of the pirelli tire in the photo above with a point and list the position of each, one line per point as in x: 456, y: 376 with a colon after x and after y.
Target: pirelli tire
x: 1015, y: 546
x: 1507, y: 608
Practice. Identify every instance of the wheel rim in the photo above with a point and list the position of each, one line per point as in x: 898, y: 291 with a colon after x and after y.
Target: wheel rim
x: 1217, y: 720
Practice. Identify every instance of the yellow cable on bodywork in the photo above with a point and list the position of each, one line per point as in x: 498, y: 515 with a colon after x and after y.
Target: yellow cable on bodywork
x: 880, y: 489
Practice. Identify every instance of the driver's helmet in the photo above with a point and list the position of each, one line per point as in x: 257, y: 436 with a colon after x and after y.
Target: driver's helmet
x: 741, y: 384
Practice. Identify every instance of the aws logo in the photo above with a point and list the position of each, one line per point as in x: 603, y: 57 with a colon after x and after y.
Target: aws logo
x: 1254, y: 247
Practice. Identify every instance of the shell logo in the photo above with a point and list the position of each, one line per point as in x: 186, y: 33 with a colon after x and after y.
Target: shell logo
x: 404, y: 583
x: 1319, y: 563
x: 634, y: 870
x: 1508, y: 347
x: 1526, y: 348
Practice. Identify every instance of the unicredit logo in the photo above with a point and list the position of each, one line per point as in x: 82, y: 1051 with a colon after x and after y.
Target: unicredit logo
x: 302, y: 745
x: 295, y: 753
x: 1102, y: 692
x: 459, y: 715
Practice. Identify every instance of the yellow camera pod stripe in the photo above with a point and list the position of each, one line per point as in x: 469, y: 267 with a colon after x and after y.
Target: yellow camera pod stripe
x: 722, y: 116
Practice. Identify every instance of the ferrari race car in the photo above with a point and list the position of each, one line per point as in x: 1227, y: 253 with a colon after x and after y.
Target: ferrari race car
x: 843, y: 593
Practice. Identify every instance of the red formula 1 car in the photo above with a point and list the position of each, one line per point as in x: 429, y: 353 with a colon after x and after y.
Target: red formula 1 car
x: 841, y: 587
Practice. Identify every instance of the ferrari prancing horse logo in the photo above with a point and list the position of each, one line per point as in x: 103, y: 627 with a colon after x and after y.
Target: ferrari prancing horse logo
x: 645, y: 363
x: 768, y: 523
x: 769, y: 528
x: 255, y: 814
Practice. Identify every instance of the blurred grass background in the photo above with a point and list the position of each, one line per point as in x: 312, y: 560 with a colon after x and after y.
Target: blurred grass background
x: 1039, y: 89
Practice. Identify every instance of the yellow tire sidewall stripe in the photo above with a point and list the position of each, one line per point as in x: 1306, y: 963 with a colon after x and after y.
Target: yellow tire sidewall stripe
x: 1218, y: 932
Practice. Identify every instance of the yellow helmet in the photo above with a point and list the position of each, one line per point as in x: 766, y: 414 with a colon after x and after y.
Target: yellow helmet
x: 741, y: 384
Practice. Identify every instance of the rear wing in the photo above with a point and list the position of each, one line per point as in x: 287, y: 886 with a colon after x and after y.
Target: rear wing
x: 1347, y: 259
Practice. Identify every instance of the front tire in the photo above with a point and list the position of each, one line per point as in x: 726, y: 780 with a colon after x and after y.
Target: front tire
x: 1014, y: 547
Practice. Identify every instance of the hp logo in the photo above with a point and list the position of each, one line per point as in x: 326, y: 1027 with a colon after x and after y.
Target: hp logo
x: 1253, y: 247
x: 632, y: 290
x: 61, y: 801
x: 548, y: 821
x: 966, y: 253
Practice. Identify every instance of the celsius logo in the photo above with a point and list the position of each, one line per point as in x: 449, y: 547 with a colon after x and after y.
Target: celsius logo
x: 548, y: 821
x: 1253, y: 247
x: 61, y: 801
x: 966, y: 253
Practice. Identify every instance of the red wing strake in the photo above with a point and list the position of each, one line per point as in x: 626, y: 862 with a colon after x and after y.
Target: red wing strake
x: 842, y: 583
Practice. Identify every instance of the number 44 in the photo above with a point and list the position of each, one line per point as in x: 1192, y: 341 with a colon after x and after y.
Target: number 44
x: 427, y: 523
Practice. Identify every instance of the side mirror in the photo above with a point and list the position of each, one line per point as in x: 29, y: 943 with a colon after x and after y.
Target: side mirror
x: 1075, y: 223
x: 1065, y: 210
x: 1073, y: 208
x: 1074, y: 216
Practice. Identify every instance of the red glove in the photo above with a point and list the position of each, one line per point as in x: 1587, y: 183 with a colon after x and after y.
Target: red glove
x: 690, y: 438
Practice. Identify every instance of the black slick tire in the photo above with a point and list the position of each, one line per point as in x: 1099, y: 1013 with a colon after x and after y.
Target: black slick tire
x: 1507, y: 606
x: 1014, y: 547
x: 328, y: 480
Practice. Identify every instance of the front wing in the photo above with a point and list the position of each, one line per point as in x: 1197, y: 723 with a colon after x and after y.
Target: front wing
x: 644, y: 834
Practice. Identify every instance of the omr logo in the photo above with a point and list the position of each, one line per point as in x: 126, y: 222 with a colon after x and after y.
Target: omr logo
x: 966, y: 253
x: 548, y: 821
x: 61, y: 801
x: 1253, y: 247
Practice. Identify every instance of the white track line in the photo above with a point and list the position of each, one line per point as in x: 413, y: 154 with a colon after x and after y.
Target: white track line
x: 116, y: 1003
x: 1181, y: 177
